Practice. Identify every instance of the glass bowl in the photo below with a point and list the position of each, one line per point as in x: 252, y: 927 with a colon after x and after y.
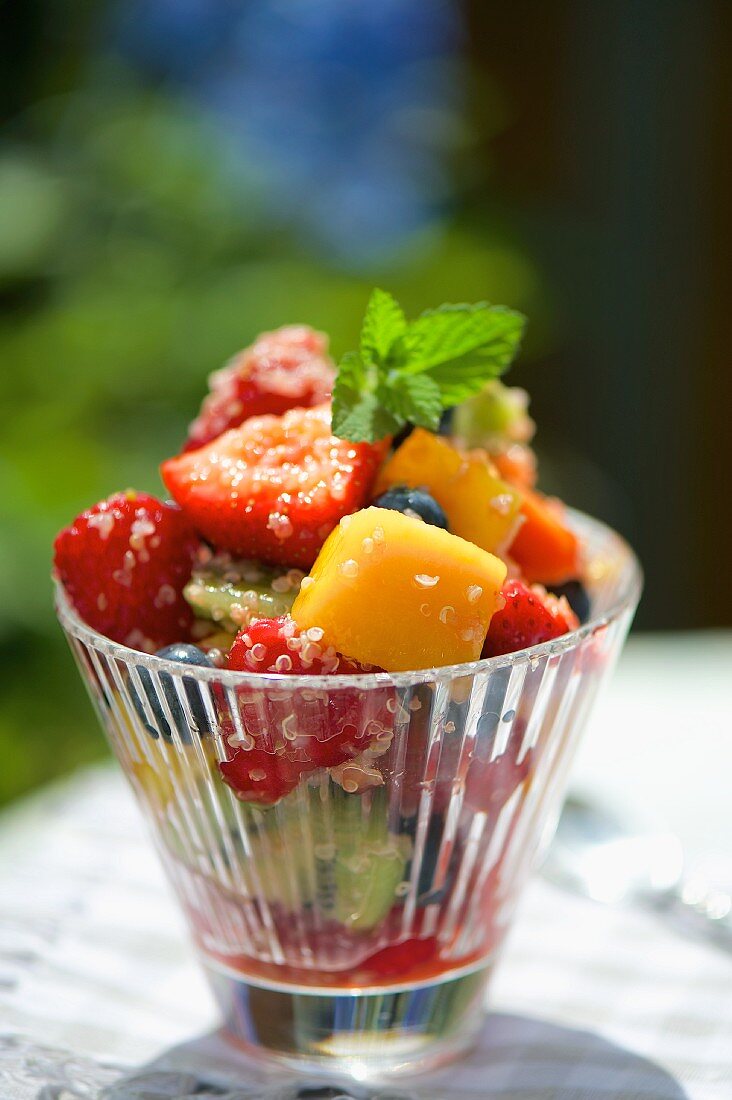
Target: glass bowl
x: 354, y: 924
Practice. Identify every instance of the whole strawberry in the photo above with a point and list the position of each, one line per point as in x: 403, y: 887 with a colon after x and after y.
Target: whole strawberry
x: 281, y: 370
x: 279, y: 735
x: 530, y: 616
x: 123, y: 564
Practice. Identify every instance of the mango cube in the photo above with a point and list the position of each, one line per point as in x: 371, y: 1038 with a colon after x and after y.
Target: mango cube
x: 392, y: 591
x: 479, y: 505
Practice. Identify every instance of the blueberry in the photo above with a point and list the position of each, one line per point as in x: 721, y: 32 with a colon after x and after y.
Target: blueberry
x: 182, y: 654
x: 577, y: 597
x: 413, y: 501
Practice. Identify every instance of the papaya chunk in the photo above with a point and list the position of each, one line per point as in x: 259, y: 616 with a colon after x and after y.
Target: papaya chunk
x: 480, y: 506
x: 545, y: 548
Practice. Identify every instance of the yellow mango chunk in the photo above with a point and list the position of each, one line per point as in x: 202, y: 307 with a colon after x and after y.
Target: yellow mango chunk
x: 479, y: 505
x: 392, y: 591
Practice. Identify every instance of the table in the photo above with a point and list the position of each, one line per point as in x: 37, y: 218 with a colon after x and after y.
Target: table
x: 96, y: 978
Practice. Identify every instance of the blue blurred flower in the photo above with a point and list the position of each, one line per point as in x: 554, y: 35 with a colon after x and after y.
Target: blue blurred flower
x: 340, y: 110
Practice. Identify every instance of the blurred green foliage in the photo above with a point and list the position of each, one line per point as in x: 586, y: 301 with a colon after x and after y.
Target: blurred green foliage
x: 132, y: 263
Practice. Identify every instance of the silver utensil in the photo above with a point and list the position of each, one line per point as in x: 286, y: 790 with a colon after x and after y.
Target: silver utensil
x: 604, y: 856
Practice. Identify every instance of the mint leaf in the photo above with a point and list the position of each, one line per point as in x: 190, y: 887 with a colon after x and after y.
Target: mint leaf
x: 461, y: 379
x: 383, y: 324
x: 350, y: 384
x: 415, y: 399
x: 365, y: 420
x: 453, y: 331
x: 409, y: 372
x: 358, y: 414
x: 351, y: 371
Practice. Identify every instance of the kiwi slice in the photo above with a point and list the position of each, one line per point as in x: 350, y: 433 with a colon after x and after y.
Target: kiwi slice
x: 232, y: 591
x: 348, y: 866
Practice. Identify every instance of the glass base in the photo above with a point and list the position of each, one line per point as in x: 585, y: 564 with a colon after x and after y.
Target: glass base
x: 368, y: 1034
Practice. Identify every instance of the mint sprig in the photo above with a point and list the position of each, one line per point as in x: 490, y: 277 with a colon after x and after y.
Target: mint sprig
x: 408, y: 372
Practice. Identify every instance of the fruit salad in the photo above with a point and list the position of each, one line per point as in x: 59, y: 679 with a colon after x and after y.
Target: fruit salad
x: 325, y: 529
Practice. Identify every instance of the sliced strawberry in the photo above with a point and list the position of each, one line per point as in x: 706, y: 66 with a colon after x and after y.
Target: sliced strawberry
x: 280, y: 734
x: 401, y: 958
x: 123, y: 564
x: 275, y: 487
x: 530, y: 616
x: 281, y: 370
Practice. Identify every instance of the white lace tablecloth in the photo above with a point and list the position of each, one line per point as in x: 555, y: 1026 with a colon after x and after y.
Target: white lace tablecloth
x: 100, y: 996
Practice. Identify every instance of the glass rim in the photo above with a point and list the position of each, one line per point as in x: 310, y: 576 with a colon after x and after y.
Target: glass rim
x: 625, y: 600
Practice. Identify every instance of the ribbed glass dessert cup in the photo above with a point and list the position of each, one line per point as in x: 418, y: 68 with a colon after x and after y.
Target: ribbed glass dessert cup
x: 355, y: 922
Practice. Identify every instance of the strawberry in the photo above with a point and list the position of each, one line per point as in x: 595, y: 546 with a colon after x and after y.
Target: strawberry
x: 276, y: 645
x: 530, y: 616
x: 399, y: 959
x: 257, y: 775
x: 275, y: 487
x: 123, y: 564
x: 290, y: 732
x: 281, y: 370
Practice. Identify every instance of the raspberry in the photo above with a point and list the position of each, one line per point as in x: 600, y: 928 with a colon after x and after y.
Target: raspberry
x: 124, y: 563
x: 260, y: 776
x: 281, y: 370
